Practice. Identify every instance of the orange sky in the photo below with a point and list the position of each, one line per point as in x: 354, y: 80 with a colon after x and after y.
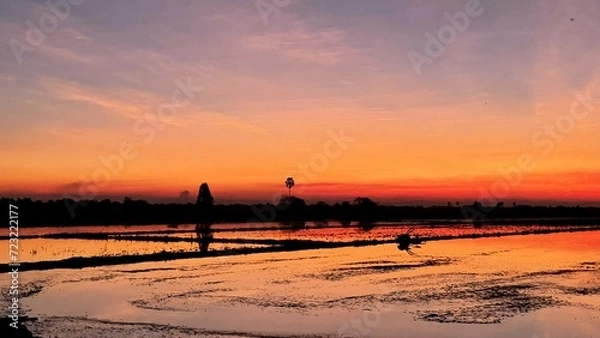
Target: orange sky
x: 520, y: 84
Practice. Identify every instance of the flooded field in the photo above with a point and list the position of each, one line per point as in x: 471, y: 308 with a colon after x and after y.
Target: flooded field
x: 34, y: 250
x: 515, y: 286
x: 58, y: 243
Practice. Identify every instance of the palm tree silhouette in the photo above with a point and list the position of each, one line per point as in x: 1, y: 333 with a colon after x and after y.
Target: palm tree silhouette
x: 289, y: 183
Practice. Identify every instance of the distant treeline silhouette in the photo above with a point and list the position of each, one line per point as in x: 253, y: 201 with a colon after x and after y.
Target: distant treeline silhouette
x: 290, y: 208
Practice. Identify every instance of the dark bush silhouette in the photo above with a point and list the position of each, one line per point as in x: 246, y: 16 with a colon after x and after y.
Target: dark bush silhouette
x: 404, y: 241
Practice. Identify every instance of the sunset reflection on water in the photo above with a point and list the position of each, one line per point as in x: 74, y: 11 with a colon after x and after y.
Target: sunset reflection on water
x: 140, y: 240
x: 524, y: 285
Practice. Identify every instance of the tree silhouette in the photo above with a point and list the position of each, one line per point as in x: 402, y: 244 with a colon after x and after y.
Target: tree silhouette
x: 205, y: 198
x: 291, y: 208
x: 289, y: 183
x: 319, y: 211
x: 204, y: 207
x: 360, y: 201
x: 366, y: 210
x: 343, y: 213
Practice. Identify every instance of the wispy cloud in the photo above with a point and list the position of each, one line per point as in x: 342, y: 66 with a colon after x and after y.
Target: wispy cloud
x: 203, y: 118
x: 326, y: 46
x: 65, y: 54
x: 114, y: 104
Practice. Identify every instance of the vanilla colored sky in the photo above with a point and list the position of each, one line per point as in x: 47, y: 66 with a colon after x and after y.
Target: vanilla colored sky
x: 274, y: 90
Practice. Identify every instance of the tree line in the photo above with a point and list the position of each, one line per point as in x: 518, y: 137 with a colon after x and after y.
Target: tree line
x: 289, y: 208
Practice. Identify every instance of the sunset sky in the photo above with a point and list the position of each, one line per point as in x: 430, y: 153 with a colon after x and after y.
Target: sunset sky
x: 519, y: 84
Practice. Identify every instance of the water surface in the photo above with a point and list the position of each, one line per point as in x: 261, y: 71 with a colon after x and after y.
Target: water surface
x: 517, y: 286
x: 37, y: 244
